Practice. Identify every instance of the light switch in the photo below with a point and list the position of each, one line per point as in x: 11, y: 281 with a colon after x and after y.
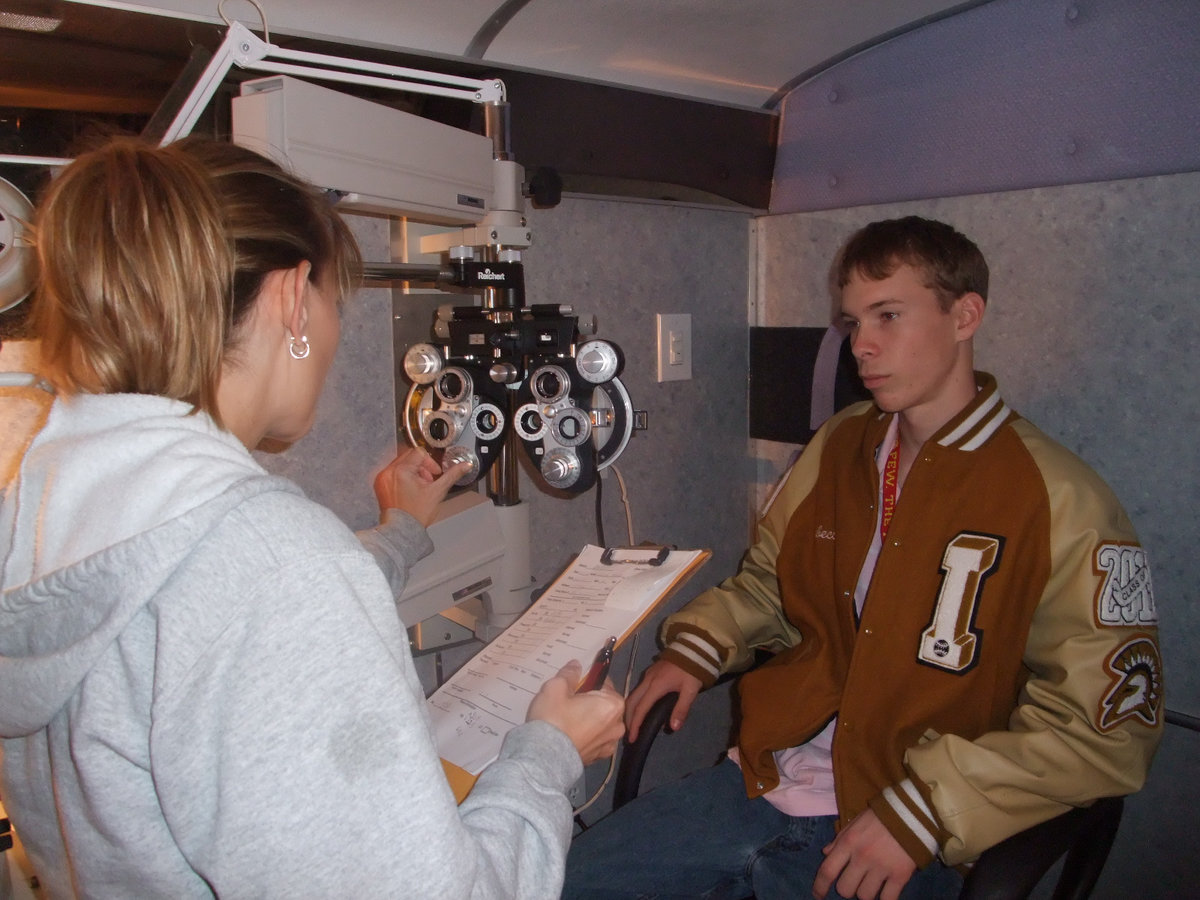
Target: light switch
x: 674, y: 346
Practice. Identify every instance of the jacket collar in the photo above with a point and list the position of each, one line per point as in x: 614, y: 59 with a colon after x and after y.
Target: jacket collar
x: 975, y: 424
x: 979, y: 421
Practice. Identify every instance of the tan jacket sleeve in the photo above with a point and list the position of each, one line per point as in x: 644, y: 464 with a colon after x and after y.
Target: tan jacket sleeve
x: 1091, y: 714
x: 719, y: 631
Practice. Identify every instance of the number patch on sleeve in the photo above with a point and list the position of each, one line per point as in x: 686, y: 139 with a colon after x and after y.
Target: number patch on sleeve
x: 1126, y: 595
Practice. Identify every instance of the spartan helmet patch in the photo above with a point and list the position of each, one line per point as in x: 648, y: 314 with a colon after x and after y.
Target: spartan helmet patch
x: 1136, y: 692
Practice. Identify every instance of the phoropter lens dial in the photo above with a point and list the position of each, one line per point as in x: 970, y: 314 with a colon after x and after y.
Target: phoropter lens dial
x: 550, y: 383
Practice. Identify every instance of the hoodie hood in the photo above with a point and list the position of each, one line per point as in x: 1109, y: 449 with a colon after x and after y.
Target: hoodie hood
x: 112, y: 496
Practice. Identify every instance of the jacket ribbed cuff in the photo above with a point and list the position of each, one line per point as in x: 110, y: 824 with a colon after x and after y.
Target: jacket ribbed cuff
x: 696, y: 654
x: 905, y: 811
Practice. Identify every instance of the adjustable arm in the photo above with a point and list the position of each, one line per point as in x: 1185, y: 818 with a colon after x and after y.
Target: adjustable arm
x: 247, y: 51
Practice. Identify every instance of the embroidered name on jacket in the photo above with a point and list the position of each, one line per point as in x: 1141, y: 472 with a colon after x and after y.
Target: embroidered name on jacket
x: 1125, y: 596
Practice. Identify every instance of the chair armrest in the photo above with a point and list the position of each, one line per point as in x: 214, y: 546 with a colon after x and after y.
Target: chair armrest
x: 634, y: 754
x: 1013, y: 868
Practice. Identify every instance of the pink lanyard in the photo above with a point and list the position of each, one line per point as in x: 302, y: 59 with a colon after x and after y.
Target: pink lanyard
x: 890, y: 472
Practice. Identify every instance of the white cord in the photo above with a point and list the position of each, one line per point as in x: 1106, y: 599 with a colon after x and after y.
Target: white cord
x: 612, y: 762
x: 625, y: 503
x: 633, y: 647
x: 262, y: 17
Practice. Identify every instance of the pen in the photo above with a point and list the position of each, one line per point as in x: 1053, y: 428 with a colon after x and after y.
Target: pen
x: 599, y: 670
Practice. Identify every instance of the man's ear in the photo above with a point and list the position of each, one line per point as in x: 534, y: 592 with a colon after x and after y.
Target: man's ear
x: 968, y: 314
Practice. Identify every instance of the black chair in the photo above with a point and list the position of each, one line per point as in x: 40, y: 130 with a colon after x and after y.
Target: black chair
x: 1080, y: 837
x: 1008, y: 871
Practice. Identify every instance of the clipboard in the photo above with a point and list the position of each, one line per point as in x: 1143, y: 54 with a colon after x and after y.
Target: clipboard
x: 603, y: 592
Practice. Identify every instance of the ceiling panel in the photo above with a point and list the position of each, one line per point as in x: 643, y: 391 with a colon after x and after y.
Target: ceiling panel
x: 736, y: 53
x: 666, y: 99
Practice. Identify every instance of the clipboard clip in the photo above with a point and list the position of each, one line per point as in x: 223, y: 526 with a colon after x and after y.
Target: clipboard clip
x: 660, y: 551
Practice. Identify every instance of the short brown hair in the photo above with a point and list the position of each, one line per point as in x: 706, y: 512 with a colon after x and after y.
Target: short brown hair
x: 150, y: 257
x: 952, y: 264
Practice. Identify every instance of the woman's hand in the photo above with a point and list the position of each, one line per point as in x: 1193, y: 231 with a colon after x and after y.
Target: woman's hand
x: 414, y: 483
x: 592, y: 720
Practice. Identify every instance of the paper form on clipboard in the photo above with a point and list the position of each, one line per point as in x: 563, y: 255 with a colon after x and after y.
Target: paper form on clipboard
x: 591, y: 600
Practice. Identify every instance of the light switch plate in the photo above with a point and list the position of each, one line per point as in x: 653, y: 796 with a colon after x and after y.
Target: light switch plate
x: 674, y: 346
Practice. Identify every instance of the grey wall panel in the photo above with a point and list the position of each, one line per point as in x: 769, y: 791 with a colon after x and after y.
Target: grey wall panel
x: 688, y: 476
x: 625, y: 262
x: 1010, y: 94
x: 1092, y: 328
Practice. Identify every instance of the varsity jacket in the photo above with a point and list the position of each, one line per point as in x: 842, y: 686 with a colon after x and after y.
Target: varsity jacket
x: 1005, y: 665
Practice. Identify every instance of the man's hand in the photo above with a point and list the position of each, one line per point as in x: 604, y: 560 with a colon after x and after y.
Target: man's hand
x: 865, y: 861
x: 414, y: 483
x: 661, y: 678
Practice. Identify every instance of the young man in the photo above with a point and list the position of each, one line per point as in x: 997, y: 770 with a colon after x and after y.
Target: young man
x: 961, y: 617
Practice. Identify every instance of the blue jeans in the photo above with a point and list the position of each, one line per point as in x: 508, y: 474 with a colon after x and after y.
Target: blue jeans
x: 702, y: 837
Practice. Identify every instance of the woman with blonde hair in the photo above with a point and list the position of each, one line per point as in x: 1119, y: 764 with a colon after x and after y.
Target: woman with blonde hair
x: 204, y: 685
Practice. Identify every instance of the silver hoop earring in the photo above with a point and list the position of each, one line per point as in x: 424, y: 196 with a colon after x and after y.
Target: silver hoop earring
x: 299, y: 347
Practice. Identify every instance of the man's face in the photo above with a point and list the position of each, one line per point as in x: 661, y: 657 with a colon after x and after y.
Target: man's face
x: 906, y: 345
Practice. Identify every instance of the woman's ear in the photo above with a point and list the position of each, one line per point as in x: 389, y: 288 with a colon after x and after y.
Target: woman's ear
x: 294, y: 297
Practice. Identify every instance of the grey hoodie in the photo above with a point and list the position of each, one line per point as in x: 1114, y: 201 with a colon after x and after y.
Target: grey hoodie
x: 205, y: 689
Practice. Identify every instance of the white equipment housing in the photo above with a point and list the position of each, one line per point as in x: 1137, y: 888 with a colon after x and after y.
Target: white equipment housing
x: 383, y: 160
x: 476, y: 582
x: 469, y: 544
